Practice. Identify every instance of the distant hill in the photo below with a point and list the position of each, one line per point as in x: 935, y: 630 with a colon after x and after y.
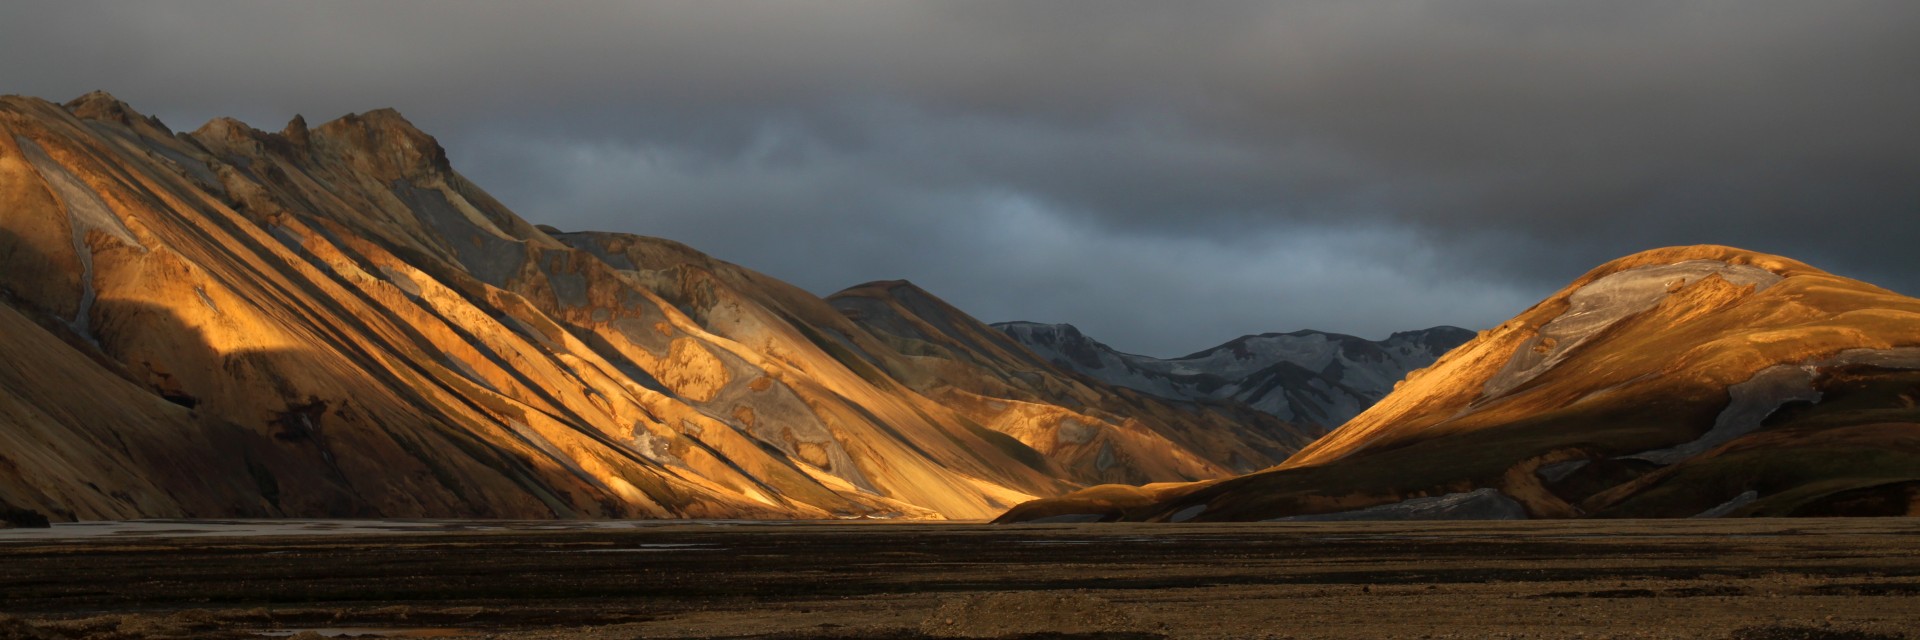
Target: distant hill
x: 1688, y: 381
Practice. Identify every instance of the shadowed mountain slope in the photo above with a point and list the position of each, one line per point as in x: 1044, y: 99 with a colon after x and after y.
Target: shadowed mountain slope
x: 1678, y: 382
x: 1304, y: 377
x: 331, y: 321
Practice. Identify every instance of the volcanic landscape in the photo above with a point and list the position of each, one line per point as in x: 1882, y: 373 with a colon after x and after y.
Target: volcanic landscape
x: 314, y: 381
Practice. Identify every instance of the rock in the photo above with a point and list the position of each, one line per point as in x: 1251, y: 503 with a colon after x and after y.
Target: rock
x: 16, y: 518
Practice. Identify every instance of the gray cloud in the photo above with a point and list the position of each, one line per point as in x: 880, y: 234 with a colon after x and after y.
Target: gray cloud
x: 1165, y: 176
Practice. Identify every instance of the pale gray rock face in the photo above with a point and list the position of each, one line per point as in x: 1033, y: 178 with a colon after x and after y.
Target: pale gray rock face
x: 1608, y: 300
x: 1745, y: 498
x: 1479, y: 504
x: 1071, y: 518
x: 486, y: 253
x: 1188, y: 513
x: 1752, y: 401
x: 86, y: 211
x: 1306, y: 377
x: 1758, y: 397
x: 1560, y: 470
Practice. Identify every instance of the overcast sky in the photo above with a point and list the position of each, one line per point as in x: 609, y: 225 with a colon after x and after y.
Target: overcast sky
x: 1166, y: 175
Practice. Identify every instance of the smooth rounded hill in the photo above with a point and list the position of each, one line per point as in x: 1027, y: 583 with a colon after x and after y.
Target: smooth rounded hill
x: 1685, y: 381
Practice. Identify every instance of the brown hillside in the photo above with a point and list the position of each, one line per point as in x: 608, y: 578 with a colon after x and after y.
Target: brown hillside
x: 331, y: 321
x: 1675, y: 382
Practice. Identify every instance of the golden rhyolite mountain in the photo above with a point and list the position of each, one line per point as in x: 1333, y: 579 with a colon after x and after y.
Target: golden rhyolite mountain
x: 1678, y: 382
x: 332, y: 322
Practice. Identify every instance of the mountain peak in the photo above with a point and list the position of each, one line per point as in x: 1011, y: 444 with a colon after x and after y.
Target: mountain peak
x: 388, y: 144
x: 901, y: 289
x: 885, y: 285
x: 1302, y: 376
x: 1062, y: 326
x: 97, y: 99
x: 385, y: 120
x: 296, y: 130
x: 1047, y: 332
x: 380, y: 143
x: 1720, y: 253
x: 226, y: 129
x: 1445, y: 332
x: 102, y: 106
x: 384, y: 117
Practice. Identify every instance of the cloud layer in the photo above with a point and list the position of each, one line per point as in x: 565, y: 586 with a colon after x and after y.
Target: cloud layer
x: 1166, y: 176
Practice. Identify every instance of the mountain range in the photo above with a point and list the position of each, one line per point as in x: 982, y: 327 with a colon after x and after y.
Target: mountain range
x: 1682, y: 382
x: 331, y: 321
x: 1305, y: 377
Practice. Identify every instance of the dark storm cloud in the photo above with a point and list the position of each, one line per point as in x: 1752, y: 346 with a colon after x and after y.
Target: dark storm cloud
x: 1165, y: 175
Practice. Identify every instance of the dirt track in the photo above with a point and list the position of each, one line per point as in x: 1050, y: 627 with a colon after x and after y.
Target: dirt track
x: 1659, y: 579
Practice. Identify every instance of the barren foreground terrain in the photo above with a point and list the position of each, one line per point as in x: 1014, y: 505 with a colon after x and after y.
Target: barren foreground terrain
x: 1748, y: 579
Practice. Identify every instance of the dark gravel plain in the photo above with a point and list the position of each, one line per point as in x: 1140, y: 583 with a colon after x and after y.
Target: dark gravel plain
x: 1734, y: 579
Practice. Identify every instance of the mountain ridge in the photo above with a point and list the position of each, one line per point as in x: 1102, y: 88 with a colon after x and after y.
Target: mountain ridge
x: 331, y: 321
x: 1304, y: 376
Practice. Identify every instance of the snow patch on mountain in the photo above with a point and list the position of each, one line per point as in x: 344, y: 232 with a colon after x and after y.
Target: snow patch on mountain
x: 1310, y: 377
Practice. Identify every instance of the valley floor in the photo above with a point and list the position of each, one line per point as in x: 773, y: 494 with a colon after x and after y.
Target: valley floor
x: 1746, y: 579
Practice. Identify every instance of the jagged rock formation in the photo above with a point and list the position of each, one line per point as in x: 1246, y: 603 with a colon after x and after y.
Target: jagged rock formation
x: 331, y: 321
x: 1304, y: 377
x: 1690, y: 381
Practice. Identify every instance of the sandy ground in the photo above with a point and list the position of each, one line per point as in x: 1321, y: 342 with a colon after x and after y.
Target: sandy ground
x: 1745, y: 580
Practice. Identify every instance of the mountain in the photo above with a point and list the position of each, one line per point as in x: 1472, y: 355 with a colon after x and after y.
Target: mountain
x: 1305, y: 377
x: 331, y: 322
x: 1687, y: 381
x: 1113, y: 432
